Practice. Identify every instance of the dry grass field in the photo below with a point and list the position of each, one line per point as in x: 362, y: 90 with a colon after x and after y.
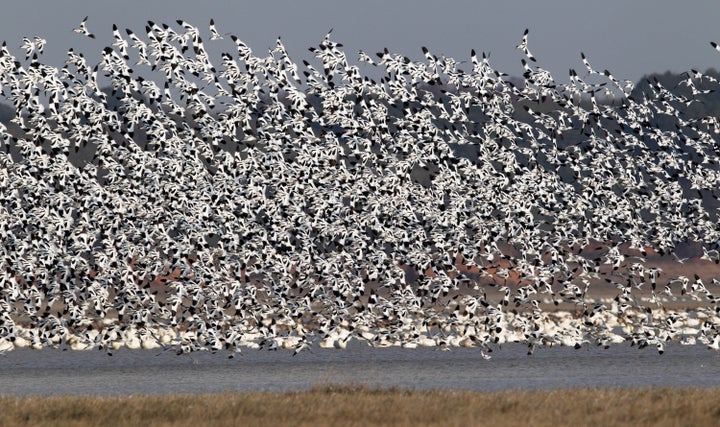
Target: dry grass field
x: 350, y: 405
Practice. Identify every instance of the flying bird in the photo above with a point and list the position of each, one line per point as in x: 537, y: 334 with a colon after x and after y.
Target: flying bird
x: 82, y: 29
x: 214, y: 34
x: 524, y: 46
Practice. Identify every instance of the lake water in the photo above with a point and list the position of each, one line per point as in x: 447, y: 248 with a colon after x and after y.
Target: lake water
x: 57, y: 372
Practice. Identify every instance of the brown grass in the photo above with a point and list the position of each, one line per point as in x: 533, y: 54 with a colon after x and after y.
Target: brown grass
x: 350, y: 405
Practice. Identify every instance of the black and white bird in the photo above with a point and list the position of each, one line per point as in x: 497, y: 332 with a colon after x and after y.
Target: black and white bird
x: 214, y: 34
x: 524, y: 46
x: 233, y: 204
x: 82, y: 29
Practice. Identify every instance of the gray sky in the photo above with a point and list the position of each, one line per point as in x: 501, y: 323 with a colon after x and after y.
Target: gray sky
x: 630, y: 38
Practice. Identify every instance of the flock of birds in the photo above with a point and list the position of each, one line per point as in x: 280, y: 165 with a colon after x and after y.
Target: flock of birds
x: 255, y: 203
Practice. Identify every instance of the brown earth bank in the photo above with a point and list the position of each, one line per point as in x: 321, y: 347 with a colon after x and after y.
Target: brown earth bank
x: 358, y: 405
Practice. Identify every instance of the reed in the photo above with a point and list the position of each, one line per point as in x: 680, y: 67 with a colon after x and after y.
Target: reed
x: 359, y: 405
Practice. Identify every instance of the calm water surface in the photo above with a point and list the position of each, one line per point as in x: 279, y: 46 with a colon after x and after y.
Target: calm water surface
x: 57, y: 372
